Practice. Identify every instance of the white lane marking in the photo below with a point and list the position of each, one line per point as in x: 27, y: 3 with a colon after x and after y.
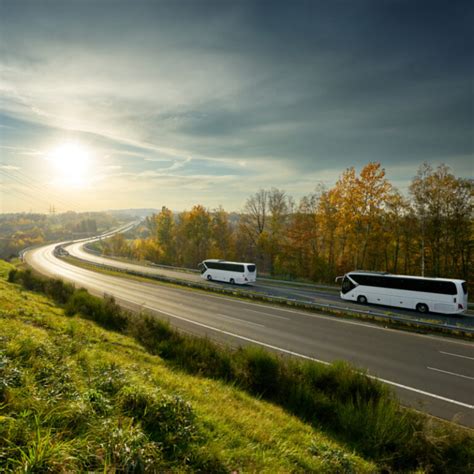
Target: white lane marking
x: 450, y: 373
x: 268, y: 314
x: 240, y: 320
x: 286, y: 351
x: 456, y: 355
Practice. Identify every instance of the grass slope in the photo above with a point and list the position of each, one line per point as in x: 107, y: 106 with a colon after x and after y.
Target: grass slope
x: 76, y: 397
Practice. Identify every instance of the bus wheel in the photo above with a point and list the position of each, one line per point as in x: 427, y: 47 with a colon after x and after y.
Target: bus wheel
x: 362, y: 299
x: 232, y: 281
x: 209, y: 277
x: 422, y: 308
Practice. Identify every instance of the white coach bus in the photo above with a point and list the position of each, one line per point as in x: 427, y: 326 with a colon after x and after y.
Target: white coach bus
x: 232, y: 272
x: 438, y: 295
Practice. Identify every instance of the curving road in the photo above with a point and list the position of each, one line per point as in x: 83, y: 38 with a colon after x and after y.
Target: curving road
x: 433, y: 374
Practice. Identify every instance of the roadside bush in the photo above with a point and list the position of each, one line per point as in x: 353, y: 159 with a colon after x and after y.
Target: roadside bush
x: 30, y: 281
x: 58, y: 290
x: 105, y: 311
x: 150, y: 331
x: 260, y: 373
x: 196, y: 355
x: 342, y: 382
x: 12, y: 275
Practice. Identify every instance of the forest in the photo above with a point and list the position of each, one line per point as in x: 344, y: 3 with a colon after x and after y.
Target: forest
x: 362, y: 222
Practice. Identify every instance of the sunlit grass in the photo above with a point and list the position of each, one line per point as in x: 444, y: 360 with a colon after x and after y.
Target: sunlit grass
x: 76, y: 397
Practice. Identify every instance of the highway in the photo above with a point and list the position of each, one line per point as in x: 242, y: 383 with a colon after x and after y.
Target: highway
x: 434, y: 374
x: 302, y: 293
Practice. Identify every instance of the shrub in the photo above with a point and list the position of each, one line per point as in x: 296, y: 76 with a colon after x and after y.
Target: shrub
x: 150, y: 331
x: 196, y: 355
x: 58, y: 290
x: 12, y: 275
x: 260, y: 371
x: 103, y: 311
x: 30, y: 281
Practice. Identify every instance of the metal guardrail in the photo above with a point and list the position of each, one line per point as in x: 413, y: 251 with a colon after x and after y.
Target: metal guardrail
x: 286, y: 301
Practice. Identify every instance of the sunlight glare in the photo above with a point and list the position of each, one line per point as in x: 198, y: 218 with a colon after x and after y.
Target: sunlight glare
x: 71, y: 164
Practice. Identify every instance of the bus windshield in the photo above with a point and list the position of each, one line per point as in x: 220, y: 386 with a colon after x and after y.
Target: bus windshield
x: 347, y: 285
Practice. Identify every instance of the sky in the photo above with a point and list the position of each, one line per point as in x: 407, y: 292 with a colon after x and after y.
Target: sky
x: 111, y: 104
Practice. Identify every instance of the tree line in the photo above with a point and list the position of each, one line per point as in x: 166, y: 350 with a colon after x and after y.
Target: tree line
x: 362, y: 222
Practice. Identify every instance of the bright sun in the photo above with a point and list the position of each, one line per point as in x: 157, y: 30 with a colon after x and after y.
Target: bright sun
x: 71, y: 163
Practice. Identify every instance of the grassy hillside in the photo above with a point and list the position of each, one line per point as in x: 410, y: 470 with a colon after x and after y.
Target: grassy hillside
x: 117, y: 390
x: 74, y: 396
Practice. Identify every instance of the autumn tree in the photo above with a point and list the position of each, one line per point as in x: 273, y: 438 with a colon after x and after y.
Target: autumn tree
x: 280, y: 205
x: 253, y: 225
x: 194, y: 235
x: 116, y: 245
x: 222, y: 236
x: 444, y: 207
x: 164, y: 227
x: 396, y: 223
x: 301, y: 248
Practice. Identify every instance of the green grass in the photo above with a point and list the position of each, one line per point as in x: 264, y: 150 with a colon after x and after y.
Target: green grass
x: 76, y: 397
x: 334, y: 402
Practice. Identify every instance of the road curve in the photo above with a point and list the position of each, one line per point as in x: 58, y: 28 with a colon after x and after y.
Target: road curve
x: 433, y: 374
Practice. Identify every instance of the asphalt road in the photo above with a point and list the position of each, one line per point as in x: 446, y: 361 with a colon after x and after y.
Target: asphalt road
x: 279, y: 289
x: 433, y: 374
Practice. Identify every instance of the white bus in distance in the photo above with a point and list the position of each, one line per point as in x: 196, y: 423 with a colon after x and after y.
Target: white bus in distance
x: 438, y: 295
x: 232, y: 272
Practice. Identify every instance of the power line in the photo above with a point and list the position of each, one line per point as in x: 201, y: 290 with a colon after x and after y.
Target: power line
x: 31, y: 198
x: 45, y: 196
x: 21, y: 197
x: 29, y: 183
x: 40, y: 186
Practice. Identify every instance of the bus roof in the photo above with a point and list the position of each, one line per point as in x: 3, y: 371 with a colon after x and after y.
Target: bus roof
x: 226, y: 261
x: 367, y: 272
